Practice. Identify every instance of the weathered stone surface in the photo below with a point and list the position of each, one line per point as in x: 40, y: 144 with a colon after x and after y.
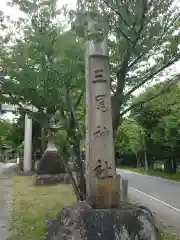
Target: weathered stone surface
x: 80, y: 221
x: 36, y: 165
x: 51, y: 179
x: 50, y: 163
x: 21, y: 173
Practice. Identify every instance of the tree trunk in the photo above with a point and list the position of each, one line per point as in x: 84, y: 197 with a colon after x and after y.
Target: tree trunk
x: 116, y: 118
x: 44, y: 133
x: 64, y: 156
x: 145, y: 156
x: 80, y: 170
x: 146, y: 161
x: 118, y: 98
x: 173, y: 164
x: 138, y: 161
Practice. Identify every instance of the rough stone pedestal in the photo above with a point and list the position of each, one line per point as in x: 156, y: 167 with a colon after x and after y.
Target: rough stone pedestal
x: 80, y: 221
x: 49, y: 169
x: 50, y: 163
x: 51, y: 179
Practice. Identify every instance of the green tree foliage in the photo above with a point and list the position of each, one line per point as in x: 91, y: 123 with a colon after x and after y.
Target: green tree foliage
x: 150, y: 113
x: 45, y: 65
x: 5, y: 133
x: 143, y: 42
x: 160, y: 118
x: 130, y: 138
x: 8, y: 137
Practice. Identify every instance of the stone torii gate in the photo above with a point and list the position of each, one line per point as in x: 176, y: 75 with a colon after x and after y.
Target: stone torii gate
x: 27, y: 166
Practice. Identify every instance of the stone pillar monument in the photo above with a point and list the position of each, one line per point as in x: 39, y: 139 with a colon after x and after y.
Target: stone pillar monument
x: 97, y: 217
x: 100, y: 162
x: 27, y: 166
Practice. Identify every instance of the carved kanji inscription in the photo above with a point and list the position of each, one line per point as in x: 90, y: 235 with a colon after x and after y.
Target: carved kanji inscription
x: 100, y: 103
x: 101, y: 132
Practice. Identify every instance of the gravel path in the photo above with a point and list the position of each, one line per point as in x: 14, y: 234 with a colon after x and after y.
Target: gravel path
x: 5, y: 204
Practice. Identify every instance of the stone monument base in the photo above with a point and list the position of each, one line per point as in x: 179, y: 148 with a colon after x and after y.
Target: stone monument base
x: 21, y: 173
x: 81, y: 221
x: 51, y: 179
x: 49, y: 170
x: 50, y: 163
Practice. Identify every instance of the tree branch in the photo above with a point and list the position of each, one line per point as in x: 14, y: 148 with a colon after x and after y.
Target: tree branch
x: 136, y: 60
x: 123, y: 34
x: 79, y: 99
x: 69, y: 172
x: 112, y: 90
x: 122, y: 72
x: 144, y: 11
x: 162, y: 91
x: 157, y: 43
x: 152, y: 75
x: 120, y: 15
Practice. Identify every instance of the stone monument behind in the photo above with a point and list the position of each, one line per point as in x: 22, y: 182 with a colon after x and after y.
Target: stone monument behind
x: 50, y: 169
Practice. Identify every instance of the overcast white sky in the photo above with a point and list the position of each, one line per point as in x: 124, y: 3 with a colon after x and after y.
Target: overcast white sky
x: 13, y: 12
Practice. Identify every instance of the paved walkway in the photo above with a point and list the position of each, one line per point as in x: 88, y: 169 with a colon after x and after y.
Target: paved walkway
x: 5, y: 204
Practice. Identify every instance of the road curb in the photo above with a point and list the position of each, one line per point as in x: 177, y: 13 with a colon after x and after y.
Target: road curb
x: 160, y: 178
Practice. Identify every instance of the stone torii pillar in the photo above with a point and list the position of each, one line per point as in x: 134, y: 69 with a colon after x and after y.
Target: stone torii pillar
x: 100, y: 162
x: 27, y: 166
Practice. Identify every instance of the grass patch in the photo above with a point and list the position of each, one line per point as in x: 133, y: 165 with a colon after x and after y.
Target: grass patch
x: 156, y: 173
x: 33, y: 205
x: 169, y: 236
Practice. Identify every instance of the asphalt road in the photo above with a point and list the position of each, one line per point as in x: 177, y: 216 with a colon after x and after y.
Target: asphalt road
x: 161, y: 196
